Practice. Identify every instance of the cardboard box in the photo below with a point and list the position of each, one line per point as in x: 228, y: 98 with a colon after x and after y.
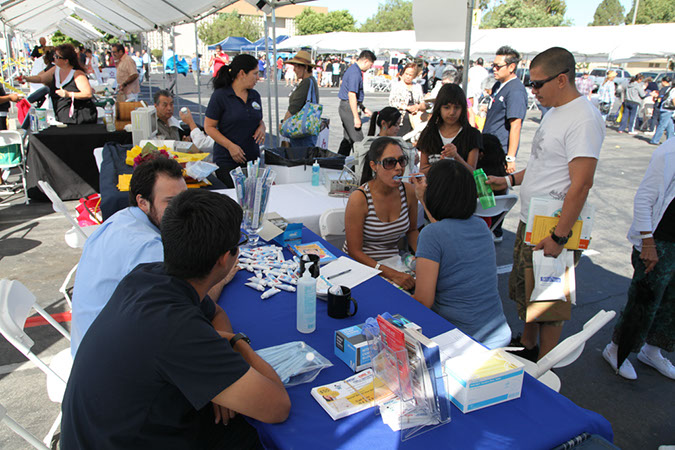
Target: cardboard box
x: 477, y: 380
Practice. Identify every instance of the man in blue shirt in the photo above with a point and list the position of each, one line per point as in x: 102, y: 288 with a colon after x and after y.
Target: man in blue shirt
x: 351, y: 101
x: 152, y: 362
x: 196, y: 70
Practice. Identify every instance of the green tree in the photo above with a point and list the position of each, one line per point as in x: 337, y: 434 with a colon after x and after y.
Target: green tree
x: 312, y: 22
x: 526, y: 14
x: 229, y: 24
x: 59, y: 38
x: 652, y: 11
x: 393, y: 15
x: 609, y: 12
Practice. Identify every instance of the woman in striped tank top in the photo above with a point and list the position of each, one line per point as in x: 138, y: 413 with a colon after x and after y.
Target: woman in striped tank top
x: 382, y: 211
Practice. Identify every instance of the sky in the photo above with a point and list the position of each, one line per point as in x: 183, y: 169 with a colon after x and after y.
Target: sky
x: 579, y: 11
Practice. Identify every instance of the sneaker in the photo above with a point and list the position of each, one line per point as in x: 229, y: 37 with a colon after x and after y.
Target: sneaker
x: 497, y: 239
x: 633, y: 133
x: 661, y: 364
x: 627, y: 371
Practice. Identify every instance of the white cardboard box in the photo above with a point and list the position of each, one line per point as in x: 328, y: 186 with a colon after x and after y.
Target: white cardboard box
x: 477, y: 380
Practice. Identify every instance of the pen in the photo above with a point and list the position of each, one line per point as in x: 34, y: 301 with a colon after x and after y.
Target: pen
x: 338, y: 274
x: 405, y: 177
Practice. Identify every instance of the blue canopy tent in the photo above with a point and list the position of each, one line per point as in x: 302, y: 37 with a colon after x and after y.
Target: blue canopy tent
x: 231, y: 44
x: 260, y: 43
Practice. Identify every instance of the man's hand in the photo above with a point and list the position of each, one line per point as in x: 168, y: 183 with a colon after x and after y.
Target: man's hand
x: 550, y: 247
x: 237, y: 153
x: 367, y: 112
x: 223, y: 414
x: 510, y: 167
x: 497, y: 183
x: 186, y: 116
x: 259, y: 134
x: 649, y: 257
x: 357, y: 123
x: 14, y: 97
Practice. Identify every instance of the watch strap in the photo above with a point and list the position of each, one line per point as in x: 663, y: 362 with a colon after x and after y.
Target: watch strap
x: 238, y: 337
x: 510, y: 159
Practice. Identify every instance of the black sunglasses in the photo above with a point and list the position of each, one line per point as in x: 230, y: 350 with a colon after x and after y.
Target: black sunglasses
x: 390, y: 163
x: 497, y: 66
x: 59, y: 57
x: 538, y: 84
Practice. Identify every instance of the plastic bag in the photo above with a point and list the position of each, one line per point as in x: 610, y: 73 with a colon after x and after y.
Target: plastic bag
x: 553, y: 277
x: 199, y: 170
x: 294, y: 362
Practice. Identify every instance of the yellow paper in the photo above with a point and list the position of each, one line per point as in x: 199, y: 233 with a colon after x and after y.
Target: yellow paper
x: 183, y: 158
x: 123, y: 182
x: 543, y: 226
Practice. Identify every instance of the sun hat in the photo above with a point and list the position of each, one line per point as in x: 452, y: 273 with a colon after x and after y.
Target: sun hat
x: 303, y: 58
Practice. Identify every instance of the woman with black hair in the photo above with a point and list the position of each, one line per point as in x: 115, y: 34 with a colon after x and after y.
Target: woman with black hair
x: 448, y: 133
x: 234, y: 117
x: 388, y: 119
x: 456, y: 259
x: 70, y: 91
x: 382, y: 211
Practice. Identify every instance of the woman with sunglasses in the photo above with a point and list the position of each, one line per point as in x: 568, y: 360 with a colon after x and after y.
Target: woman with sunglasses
x: 456, y: 259
x: 70, y: 91
x: 448, y: 133
x: 382, y: 211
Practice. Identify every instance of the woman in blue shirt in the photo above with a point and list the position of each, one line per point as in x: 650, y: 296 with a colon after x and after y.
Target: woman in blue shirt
x: 234, y: 117
x: 456, y: 259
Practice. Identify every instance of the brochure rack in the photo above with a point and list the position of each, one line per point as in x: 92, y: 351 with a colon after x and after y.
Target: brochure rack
x: 409, y: 380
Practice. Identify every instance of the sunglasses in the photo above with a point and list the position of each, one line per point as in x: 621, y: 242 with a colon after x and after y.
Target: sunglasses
x: 390, y: 163
x: 538, y: 84
x: 497, y: 66
x: 59, y: 57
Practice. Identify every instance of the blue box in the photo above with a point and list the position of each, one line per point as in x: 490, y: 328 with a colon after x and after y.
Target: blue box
x: 351, y: 347
x: 291, y: 235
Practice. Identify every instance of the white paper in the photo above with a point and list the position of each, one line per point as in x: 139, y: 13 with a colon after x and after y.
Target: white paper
x: 358, y: 274
x: 455, y: 343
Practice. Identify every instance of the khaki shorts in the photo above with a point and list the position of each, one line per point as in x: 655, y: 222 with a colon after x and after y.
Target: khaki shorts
x: 522, y: 259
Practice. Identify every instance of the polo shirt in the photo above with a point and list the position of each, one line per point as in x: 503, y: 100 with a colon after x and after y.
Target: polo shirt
x: 352, y: 81
x: 122, y: 242
x: 509, y: 102
x: 237, y: 121
x: 148, y: 368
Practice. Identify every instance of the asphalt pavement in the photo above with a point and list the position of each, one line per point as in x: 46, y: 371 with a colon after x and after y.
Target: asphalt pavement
x: 33, y: 251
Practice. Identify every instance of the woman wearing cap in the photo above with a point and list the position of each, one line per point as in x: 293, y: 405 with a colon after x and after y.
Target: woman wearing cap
x: 302, y: 65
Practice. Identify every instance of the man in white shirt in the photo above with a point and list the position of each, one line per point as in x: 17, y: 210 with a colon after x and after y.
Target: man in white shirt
x: 562, y: 164
x: 477, y: 74
x: 146, y: 65
x: 168, y: 127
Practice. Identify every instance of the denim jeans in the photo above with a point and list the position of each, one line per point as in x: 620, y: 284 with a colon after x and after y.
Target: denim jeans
x: 630, y: 110
x: 665, y: 124
x: 307, y: 141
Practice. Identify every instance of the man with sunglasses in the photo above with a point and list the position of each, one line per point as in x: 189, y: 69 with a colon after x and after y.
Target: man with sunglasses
x: 562, y: 164
x: 152, y: 363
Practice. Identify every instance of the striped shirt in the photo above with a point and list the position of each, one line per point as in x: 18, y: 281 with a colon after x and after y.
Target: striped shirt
x: 380, y: 239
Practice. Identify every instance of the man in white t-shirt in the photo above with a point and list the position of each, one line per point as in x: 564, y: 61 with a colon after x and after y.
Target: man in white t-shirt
x: 565, y: 152
x: 477, y: 74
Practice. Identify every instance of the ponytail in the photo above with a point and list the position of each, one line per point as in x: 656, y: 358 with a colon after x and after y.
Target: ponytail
x: 227, y: 74
x: 373, y: 124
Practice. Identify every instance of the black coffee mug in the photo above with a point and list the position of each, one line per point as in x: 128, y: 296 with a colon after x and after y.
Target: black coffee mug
x: 339, y: 298
x: 313, y: 262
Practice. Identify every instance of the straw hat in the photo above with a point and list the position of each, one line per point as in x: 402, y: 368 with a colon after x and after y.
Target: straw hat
x: 303, y: 58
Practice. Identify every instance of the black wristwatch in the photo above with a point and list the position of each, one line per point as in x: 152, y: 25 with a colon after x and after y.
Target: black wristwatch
x: 237, y: 337
x: 560, y: 240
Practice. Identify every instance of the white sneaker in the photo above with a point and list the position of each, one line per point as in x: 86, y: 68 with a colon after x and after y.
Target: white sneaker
x: 661, y: 364
x: 627, y: 371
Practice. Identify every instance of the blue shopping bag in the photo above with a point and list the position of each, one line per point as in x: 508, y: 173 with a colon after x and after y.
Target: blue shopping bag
x: 307, y: 122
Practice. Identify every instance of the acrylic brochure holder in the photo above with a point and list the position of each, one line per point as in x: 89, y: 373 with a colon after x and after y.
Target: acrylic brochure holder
x: 410, y: 395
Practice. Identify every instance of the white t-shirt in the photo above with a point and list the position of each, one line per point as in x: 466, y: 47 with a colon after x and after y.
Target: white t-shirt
x: 476, y: 76
x: 570, y: 131
x: 449, y: 140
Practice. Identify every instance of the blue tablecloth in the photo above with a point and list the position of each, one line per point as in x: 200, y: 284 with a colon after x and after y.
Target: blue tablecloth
x: 540, y: 418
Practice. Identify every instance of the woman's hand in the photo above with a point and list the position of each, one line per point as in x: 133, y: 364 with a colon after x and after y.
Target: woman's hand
x: 237, y: 153
x: 449, y: 151
x: 259, y: 134
x: 420, y: 185
x: 404, y: 280
x: 62, y: 93
x: 649, y: 257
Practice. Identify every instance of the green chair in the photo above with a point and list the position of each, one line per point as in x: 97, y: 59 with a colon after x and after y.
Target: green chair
x: 13, y: 154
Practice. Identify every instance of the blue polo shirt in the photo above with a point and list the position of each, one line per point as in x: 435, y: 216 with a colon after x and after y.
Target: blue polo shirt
x: 352, y: 81
x: 148, y: 368
x: 509, y: 102
x: 237, y: 121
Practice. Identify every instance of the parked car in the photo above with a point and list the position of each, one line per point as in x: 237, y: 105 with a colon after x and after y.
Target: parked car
x: 663, y: 74
x: 621, y: 80
x: 651, y: 75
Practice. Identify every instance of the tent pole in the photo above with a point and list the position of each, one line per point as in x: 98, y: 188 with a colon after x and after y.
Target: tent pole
x: 175, y: 66
x: 467, y: 44
x: 7, y: 54
x: 148, y: 51
x: 161, y: 30
x: 199, y: 68
x: 276, y: 84
x: 269, y: 87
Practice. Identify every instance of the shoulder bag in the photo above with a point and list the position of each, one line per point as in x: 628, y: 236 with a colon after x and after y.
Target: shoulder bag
x: 306, y: 122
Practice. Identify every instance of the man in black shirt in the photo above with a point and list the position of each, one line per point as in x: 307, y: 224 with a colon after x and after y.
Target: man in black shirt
x: 39, y: 50
x: 151, y: 363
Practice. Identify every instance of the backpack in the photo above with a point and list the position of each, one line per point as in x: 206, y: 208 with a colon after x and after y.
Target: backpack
x: 668, y: 101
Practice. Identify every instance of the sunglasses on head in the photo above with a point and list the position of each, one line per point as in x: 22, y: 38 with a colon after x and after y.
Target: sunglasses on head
x: 538, y: 84
x: 390, y: 163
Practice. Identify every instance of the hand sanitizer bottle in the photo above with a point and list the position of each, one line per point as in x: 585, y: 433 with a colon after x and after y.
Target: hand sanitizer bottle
x: 306, y: 303
x: 315, y: 173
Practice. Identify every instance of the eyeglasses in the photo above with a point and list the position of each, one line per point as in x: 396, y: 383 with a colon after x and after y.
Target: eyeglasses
x: 243, y: 240
x: 497, y: 66
x: 538, y: 84
x: 59, y: 57
x: 390, y: 163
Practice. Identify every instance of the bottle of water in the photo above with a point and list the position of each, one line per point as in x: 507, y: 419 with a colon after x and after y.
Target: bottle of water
x: 109, y: 118
x: 32, y: 114
x: 485, y: 194
x: 315, y: 173
x: 306, y: 303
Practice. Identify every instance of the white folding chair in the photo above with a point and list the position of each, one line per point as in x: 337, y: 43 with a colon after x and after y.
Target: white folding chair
x: 504, y: 203
x: 16, y: 302
x: 75, y: 237
x: 98, y: 156
x: 332, y: 226
x: 566, y: 352
x: 21, y: 431
x: 12, y: 146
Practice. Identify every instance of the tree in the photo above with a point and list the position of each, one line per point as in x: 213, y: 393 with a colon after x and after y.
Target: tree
x: 609, y: 12
x: 652, y: 11
x: 59, y: 38
x: 393, y: 15
x: 229, y: 24
x: 526, y: 14
x: 312, y: 22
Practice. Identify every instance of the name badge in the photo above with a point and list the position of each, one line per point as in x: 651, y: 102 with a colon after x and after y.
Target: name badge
x: 501, y: 98
x: 255, y: 105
